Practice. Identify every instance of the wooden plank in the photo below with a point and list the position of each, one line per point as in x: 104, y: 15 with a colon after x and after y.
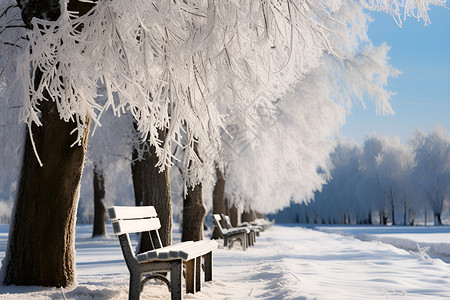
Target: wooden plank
x: 198, y: 273
x: 166, y: 253
x: 208, y: 266
x: 192, y: 251
x: 234, y: 231
x: 190, y: 276
x: 137, y: 225
x: 131, y: 212
x: 161, y: 253
x: 175, y: 280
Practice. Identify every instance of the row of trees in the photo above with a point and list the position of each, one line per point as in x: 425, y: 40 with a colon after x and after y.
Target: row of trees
x: 196, y: 86
x: 383, y: 182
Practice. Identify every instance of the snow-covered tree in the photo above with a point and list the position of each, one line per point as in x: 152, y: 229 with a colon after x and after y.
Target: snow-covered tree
x: 432, y: 170
x: 390, y: 164
x: 296, y: 143
x: 384, y: 181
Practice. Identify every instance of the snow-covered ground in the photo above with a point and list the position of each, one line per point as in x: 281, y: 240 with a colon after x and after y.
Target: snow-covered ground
x: 287, y: 262
x: 437, y: 238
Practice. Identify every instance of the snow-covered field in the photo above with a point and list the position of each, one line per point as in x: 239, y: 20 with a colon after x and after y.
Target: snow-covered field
x: 287, y: 262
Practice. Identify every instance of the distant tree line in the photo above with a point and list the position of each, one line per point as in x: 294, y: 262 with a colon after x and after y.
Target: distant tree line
x: 383, y: 182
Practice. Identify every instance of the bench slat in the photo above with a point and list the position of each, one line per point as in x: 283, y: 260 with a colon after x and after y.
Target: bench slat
x: 138, y: 225
x: 236, y: 230
x: 130, y: 212
x: 194, y: 250
x: 155, y: 254
x: 185, y: 251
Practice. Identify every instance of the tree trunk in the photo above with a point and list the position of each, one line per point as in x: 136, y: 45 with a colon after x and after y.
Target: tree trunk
x: 426, y: 216
x: 193, y: 215
x: 248, y: 216
x: 404, y: 211
x: 391, y: 199
x: 42, y: 235
x: 136, y: 174
x: 437, y: 219
x: 99, y: 205
x: 156, y: 187
x: 412, y: 217
x: 218, y: 199
x: 234, y: 215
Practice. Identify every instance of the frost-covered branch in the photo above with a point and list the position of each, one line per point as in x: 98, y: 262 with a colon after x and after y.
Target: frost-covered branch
x: 401, y: 9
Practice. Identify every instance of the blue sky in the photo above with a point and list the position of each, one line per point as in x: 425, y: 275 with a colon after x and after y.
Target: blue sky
x: 422, y: 53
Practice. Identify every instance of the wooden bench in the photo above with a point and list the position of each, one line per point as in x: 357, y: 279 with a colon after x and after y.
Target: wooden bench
x: 154, y: 264
x: 231, y: 235
x: 263, y: 223
x: 254, y: 230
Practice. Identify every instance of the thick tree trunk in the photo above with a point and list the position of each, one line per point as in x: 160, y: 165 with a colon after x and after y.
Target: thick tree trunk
x: 99, y: 206
x: 193, y: 215
x: 41, y: 240
x: 156, y: 192
x: 42, y: 235
x: 234, y: 215
x: 219, y: 198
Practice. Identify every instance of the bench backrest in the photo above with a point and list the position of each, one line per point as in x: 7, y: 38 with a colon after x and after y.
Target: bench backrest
x: 216, y: 220
x: 128, y: 219
x: 227, y: 221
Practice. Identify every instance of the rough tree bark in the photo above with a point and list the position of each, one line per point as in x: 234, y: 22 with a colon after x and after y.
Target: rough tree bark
x: 193, y: 212
x: 234, y: 215
x: 99, y: 206
x: 248, y: 216
x: 42, y: 237
x: 219, y: 206
x: 193, y: 215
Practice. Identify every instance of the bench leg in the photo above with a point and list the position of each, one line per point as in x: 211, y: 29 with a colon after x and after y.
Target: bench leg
x: 198, y: 275
x: 190, y: 276
x: 252, y: 238
x: 244, y: 241
x: 175, y: 280
x: 135, y: 286
x: 208, y: 266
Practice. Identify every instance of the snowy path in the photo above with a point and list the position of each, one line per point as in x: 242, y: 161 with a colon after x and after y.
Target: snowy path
x: 437, y: 238
x: 286, y: 263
